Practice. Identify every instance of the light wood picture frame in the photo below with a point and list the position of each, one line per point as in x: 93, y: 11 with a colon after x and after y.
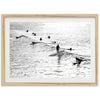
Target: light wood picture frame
x: 49, y: 49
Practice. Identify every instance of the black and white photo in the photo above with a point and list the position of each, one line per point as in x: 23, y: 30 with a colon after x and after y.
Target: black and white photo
x: 50, y: 49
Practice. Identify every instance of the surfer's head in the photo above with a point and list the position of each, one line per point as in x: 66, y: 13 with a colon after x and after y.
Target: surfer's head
x: 40, y: 39
x: 27, y: 30
x: 48, y: 37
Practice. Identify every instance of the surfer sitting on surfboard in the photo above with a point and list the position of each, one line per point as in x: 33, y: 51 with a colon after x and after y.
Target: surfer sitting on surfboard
x: 57, y: 48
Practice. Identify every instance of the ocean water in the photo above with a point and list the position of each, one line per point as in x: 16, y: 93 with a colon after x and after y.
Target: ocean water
x: 41, y: 59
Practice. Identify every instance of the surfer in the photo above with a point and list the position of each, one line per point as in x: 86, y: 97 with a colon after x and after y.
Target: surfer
x: 17, y: 37
x: 70, y: 49
x: 34, y: 34
x: 54, y: 42
x: 27, y: 30
x: 33, y: 43
x: 57, y: 48
x: 78, y: 61
x: 40, y: 39
x: 48, y: 37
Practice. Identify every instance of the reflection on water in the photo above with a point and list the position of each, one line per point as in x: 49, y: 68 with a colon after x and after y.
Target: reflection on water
x: 41, y: 60
x: 59, y: 58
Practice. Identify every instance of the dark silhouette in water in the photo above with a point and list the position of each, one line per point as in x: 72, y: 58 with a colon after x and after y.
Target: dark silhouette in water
x: 57, y: 48
x: 58, y: 54
x: 34, y: 34
x: 70, y: 49
x: 78, y: 61
x: 17, y: 37
x: 54, y: 42
x: 59, y: 58
x: 40, y: 39
x: 27, y: 30
x: 48, y: 37
x: 33, y: 43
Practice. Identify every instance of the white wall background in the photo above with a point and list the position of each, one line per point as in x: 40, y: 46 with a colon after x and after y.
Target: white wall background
x: 49, y: 92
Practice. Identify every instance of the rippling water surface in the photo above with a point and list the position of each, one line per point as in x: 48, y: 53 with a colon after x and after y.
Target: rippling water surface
x: 35, y: 61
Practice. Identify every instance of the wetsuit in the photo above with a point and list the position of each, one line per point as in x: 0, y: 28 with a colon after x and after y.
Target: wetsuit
x: 57, y: 48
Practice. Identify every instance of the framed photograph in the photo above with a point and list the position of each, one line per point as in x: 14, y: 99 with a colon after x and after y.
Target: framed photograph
x: 52, y: 49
